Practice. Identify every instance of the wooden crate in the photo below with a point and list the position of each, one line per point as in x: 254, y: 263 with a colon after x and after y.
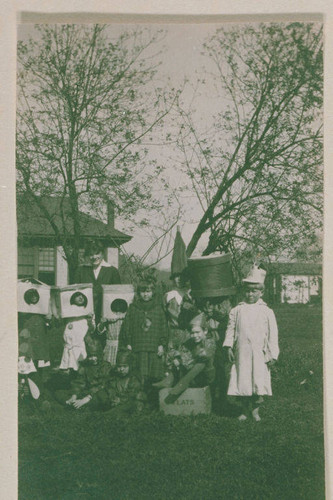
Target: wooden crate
x: 193, y: 401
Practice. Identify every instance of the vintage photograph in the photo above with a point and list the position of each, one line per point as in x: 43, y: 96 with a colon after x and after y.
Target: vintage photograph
x: 169, y: 187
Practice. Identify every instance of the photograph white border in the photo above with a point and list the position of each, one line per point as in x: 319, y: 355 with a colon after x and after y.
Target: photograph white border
x: 172, y: 11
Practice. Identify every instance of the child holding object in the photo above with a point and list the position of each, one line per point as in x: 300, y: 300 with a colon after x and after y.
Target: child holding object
x: 252, y: 344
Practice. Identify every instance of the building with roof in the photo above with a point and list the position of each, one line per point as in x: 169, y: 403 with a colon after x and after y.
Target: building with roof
x: 294, y: 282
x: 40, y: 254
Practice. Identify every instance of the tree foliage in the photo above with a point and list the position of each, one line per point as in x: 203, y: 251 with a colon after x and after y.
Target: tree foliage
x: 257, y: 171
x: 83, y: 111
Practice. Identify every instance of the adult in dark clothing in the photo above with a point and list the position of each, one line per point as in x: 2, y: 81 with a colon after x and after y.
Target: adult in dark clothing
x: 98, y: 273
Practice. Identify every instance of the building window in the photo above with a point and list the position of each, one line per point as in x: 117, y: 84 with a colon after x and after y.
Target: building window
x: 26, y: 262
x: 46, y: 265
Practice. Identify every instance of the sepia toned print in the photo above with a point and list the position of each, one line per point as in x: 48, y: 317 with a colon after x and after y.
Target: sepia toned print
x: 185, y: 161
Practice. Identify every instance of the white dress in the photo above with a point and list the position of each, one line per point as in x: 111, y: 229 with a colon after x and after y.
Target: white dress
x: 253, y: 334
x: 75, y: 348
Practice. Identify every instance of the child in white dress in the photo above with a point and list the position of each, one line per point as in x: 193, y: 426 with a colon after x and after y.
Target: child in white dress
x: 75, y: 331
x: 252, y: 343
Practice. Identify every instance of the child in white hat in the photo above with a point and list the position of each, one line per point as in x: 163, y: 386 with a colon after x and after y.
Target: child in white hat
x: 252, y: 343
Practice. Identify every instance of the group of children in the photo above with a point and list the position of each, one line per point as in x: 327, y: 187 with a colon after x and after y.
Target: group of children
x: 172, y: 341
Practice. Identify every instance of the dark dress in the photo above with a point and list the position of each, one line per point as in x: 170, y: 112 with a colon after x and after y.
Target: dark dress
x: 107, y: 276
x: 144, y: 329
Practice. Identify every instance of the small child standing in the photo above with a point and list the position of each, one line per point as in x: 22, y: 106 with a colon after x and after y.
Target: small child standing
x: 252, y: 343
x: 144, y: 332
x: 75, y: 331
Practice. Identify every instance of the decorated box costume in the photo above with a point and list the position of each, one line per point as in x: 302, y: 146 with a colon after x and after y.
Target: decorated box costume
x: 33, y: 307
x: 116, y: 299
x: 78, y: 322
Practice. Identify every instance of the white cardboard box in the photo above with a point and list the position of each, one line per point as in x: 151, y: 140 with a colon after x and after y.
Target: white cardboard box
x: 43, y: 304
x: 63, y: 296
x: 113, y: 292
x: 193, y: 401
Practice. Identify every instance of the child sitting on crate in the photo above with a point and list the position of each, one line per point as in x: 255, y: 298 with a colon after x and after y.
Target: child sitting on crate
x: 75, y: 331
x: 252, y: 344
x: 88, y: 388
x: 193, y: 364
x: 144, y: 332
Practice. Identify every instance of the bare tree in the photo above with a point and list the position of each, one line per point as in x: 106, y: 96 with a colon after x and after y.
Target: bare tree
x: 83, y: 112
x: 257, y: 172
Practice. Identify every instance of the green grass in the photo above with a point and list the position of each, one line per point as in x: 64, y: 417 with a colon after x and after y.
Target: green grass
x: 114, y: 456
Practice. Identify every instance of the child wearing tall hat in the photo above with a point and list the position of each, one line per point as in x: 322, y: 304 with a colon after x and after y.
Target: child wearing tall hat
x: 252, y: 345
x: 144, y: 331
x: 76, y: 329
x: 212, y: 285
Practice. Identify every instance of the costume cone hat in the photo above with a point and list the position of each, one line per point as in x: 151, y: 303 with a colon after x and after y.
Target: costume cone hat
x: 179, y: 258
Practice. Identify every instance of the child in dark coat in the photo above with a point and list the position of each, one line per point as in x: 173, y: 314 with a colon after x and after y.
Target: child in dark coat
x: 144, y: 332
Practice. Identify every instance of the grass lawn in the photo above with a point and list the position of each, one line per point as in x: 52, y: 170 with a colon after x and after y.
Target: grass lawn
x: 112, y: 456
